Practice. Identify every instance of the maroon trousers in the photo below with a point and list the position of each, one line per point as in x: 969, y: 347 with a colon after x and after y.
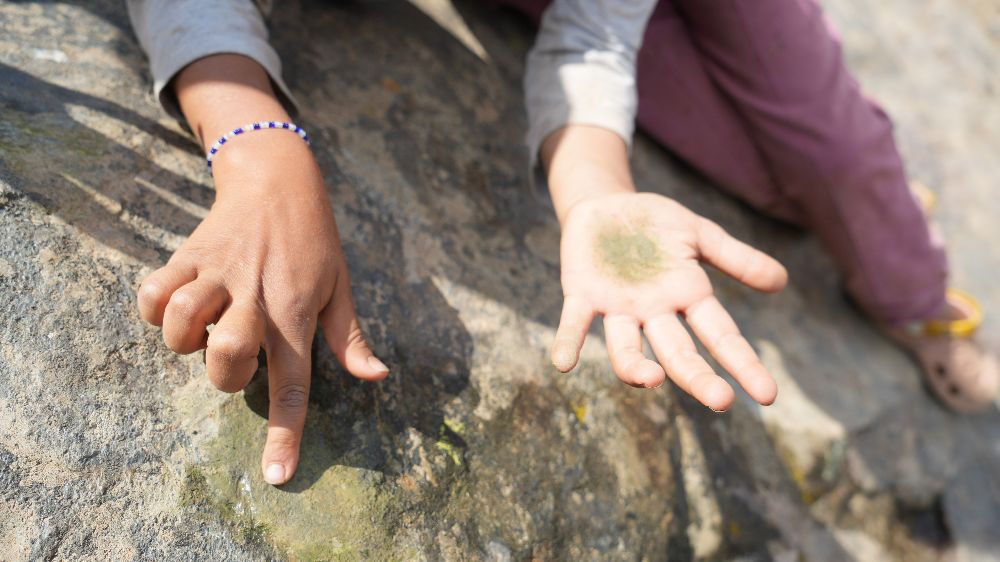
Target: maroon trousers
x: 756, y: 96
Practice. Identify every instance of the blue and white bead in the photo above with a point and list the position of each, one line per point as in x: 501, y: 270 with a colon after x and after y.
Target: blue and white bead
x: 250, y: 127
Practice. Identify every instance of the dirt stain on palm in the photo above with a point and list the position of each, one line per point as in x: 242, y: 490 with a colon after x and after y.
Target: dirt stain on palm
x: 628, y: 251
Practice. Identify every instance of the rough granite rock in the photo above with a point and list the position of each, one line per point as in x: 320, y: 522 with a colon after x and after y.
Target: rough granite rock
x: 114, y: 448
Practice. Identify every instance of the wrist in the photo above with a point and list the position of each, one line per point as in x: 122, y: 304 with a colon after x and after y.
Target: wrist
x: 583, y: 183
x: 265, y: 163
x: 583, y: 162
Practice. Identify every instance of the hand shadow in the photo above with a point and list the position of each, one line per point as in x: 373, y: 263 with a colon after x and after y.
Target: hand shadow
x: 107, y: 189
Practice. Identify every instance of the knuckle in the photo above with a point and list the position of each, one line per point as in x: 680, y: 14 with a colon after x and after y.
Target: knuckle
x: 694, y: 307
x: 752, y: 266
x: 180, y: 343
x: 291, y: 396
x: 356, y: 339
x: 282, y: 443
x: 687, y: 361
x: 751, y: 365
x: 297, y: 309
x: 223, y: 381
x: 625, y: 366
x: 729, y: 340
x: 174, y: 345
x: 150, y: 293
x: 183, y: 304
x: 229, y: 347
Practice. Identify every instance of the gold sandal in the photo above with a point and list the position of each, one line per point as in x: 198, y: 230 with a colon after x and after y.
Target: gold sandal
x: 960, y: 373
x: 924, y: 196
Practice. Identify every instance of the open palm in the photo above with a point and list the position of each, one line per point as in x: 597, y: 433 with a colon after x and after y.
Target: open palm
x: 635, y: 259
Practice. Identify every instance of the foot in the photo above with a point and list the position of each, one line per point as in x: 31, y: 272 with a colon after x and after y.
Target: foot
x: 960, y: 373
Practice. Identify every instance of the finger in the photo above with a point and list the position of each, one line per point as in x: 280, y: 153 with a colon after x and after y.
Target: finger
x: 343, y: 334
x: 231, y: 358
x: 155, y: 290
x: 689, y: 371
x: 189, y: 310
x: 625, y: 348
x: 744, y: 263
x: 716, y: 329
x: 289, y: 365
x: 577, y: 315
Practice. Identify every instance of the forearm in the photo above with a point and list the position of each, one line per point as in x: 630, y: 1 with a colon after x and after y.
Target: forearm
x: 582, y: 162
x: 221, y: 92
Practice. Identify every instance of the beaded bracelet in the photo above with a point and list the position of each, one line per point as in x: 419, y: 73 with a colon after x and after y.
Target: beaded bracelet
x: 253, y: 127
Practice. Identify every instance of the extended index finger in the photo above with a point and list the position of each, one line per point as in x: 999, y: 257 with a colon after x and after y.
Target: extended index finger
x: 289, y: 369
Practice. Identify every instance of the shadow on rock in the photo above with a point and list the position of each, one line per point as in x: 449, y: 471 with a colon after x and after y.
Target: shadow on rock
x: 60, y: 151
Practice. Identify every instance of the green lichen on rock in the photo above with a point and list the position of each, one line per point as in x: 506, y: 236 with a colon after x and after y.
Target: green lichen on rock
x: 31, y: 138
x: 195, y: 493
x: 339, y: 515
x: 450, y: 439
x: 198, y: 496
x: 629, y: 251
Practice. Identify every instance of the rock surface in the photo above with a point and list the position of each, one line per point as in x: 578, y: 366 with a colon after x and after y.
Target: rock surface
x: 111, y: 447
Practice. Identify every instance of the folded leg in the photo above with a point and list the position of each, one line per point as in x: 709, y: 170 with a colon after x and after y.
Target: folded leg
x: 829, y: 148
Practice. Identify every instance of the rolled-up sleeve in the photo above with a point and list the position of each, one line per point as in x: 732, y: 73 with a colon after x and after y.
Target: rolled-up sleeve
x: 581, y: 69
x: 175, y: 33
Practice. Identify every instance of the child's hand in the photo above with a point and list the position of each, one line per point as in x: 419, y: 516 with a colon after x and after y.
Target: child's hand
x: 263, y: 267
x: 634, y: 257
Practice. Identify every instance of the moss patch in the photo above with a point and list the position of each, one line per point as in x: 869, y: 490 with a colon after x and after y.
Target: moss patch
x: 629, y: 252
x: 197, y: 495
x: 329, y: 511
x: 40, y: 137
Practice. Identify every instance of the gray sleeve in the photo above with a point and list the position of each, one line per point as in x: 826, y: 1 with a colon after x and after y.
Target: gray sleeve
x: 175, y: 33
x: 581, y: 69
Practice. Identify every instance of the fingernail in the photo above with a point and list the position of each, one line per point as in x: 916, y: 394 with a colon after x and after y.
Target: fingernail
x: 376, y: 364
x: 275, y: 474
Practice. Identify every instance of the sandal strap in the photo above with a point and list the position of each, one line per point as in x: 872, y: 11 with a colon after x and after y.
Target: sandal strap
x: 924, y: 196
x: 963, y: 328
